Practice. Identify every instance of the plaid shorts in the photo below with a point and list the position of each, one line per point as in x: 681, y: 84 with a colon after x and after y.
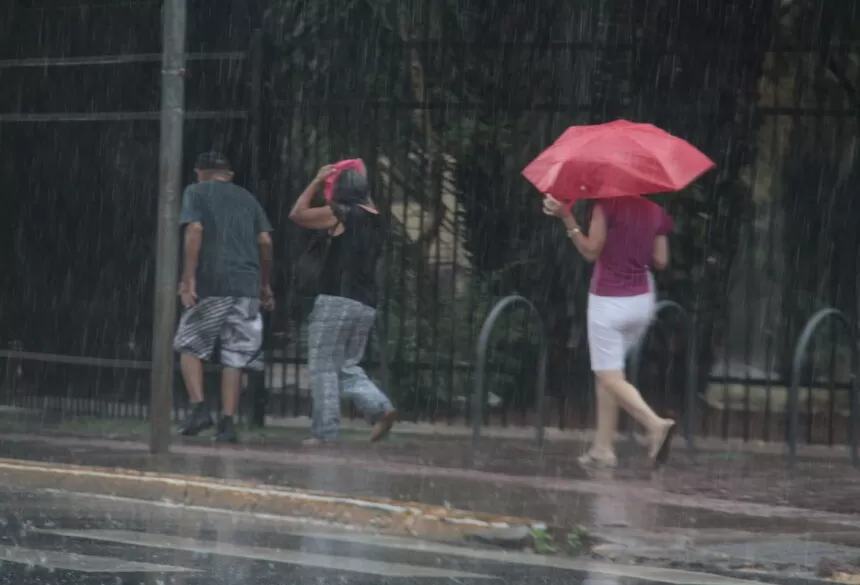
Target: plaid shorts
x: 234, y: 324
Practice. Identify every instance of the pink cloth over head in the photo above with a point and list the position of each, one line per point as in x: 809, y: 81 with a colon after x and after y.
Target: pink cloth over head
x: 351, y: 164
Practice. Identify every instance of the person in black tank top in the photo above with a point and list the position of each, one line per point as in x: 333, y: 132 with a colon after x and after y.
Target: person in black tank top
x: 345, y: 311
x: 349, y: 269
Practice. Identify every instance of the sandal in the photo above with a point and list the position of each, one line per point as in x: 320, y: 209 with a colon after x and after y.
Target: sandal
x: 589, y: 461
x: 664, y: 444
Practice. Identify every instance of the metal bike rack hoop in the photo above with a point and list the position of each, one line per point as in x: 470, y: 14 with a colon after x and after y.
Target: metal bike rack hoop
x: 481, y: 365
x: 794, y: 390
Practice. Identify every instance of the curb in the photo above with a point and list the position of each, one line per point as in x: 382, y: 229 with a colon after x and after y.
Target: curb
x: 770, y: 577
x: 381, y: 515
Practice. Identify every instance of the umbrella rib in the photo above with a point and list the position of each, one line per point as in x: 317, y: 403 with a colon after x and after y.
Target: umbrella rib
x: 666, y: 175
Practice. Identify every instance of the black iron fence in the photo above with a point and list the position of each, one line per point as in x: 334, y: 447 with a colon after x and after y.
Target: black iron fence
x: 445, y: 117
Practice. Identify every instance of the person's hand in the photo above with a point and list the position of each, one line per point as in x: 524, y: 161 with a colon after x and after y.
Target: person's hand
x: 323, y: 173
x: 554, y: 207
x: 188, y: 293
x: 267, y: 298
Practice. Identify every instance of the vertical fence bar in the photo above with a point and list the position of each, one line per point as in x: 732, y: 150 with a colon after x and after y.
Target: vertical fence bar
x: 475, y: 285
x: 13, y: 364
x: 854, y: 408
x: 389, y: 134
x: 254, y: 111
x: 749, y: 293
x: 257, y: 380
x: 167, y: 238
x: 455, y: 301
x: 691, y: 408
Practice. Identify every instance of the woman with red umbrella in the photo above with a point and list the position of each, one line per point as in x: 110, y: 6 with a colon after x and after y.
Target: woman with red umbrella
x: 615, y: 163
x: 626, y: 239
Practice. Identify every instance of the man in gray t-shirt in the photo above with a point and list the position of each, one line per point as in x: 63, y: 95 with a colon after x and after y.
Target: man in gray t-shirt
x: 227, y: 263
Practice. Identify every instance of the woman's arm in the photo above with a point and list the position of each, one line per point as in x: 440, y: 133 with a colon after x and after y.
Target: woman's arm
x: 660, y: 254
x: 315, y: 218
x: 591, y: 245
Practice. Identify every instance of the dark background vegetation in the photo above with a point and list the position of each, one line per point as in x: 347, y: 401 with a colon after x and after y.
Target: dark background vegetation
x: 418, y: 84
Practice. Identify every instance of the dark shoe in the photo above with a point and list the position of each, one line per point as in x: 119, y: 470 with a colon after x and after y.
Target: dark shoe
x: 227, y: 431
x: 199, y: 421
x: 383, y: 426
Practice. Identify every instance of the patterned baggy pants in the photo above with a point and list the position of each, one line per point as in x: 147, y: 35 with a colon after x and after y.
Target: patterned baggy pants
x: 337, y: 336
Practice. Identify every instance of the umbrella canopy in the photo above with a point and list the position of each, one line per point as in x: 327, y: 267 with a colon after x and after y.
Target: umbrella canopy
x: 617, y: 159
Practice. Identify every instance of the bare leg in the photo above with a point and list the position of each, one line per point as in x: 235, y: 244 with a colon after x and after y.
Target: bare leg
x: 231, y: 381
x: 192, y: 374
x: 631, y: 400
x: 607, y: 422
x: 602, y: 450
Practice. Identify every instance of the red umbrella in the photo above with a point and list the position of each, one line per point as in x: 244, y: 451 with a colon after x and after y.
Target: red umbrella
x: 617, y: 159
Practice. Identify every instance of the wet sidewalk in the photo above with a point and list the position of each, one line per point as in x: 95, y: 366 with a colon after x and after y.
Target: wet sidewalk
x: 502, y: 477
x: 739, y: 474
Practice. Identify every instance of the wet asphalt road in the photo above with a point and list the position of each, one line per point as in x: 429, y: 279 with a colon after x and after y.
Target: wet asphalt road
x: 53, y: 537
x: 57, y: 538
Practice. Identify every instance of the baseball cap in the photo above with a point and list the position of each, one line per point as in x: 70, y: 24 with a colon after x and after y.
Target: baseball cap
x: 212, y: 161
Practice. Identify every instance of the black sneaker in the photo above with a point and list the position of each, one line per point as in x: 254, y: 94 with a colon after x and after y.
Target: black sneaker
x: 227, y: 431
x: 199, y: 421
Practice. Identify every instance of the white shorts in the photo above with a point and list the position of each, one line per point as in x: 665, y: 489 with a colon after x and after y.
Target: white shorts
x: 615, y: 324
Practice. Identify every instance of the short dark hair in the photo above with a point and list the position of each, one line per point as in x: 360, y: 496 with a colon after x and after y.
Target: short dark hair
x: 350, y: 188
x: 212, y: 161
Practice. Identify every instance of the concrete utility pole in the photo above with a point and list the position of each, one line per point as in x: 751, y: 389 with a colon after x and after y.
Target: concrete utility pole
x: 167, y: 238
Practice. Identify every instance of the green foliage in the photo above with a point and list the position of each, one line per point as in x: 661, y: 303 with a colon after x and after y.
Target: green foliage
x: 577, y: 540
x: 575, y: 543
x: 543, y: 542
